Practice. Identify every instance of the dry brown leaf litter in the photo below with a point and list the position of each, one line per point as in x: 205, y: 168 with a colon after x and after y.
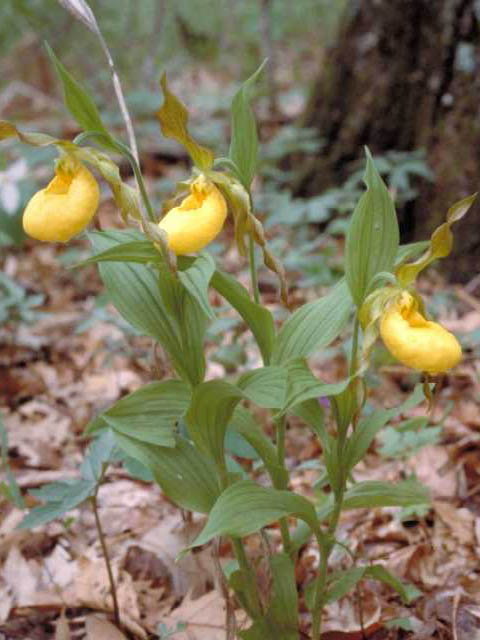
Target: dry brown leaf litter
x: 54, y: 380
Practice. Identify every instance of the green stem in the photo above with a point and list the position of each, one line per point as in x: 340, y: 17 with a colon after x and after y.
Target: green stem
x: 354, y: 354
x: 103, y: 542
x: 253, y: 269
x: 139, y: 178
x: 281, y: 426
x: 251, y: 589
x: 325, y: 549
x: 252, y: 598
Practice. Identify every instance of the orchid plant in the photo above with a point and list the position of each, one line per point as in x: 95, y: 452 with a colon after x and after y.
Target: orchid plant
x: 158, y: 274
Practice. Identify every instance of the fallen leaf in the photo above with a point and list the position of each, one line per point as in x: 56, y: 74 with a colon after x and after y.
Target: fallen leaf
x: 98, y: 628
x: 62, y: 629
x: 204, y: 618
x: 459, y: 521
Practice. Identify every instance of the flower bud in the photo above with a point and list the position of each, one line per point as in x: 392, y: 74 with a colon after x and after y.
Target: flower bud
x: 197, y: 220
x: 416, y: 341
x: 64, y: 208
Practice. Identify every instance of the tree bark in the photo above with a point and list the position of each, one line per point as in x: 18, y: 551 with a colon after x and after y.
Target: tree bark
x: 405, y: 74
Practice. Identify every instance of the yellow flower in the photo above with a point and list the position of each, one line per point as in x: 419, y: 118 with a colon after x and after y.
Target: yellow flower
x: 64, y: 207
x: 197, y: 220
x: 415, y: 341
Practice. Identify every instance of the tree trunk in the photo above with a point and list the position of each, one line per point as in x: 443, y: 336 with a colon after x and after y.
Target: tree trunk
x: 405, y: 74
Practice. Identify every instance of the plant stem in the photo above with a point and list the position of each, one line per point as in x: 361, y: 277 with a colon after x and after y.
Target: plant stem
x: 253, y: 269
x: 252, y: 604
x: 353, y: 357
x: 113, y: 590
x: 139, y: 178
x: 281, y: 426
x: 325, y: 549
x: 252, y: 597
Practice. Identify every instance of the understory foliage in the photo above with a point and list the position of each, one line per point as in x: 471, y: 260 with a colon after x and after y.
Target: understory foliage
x: 185, y: 432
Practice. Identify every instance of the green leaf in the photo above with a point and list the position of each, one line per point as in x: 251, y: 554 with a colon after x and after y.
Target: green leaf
x: 185, y: 476
x: 373, y: 237
x: 69, y: 495
x: 149, y: 414
x: 189, y: 323
x: 407, y: 592
x: 258, y: 319
x: 196, y: 279
x: 173, y: 118
x: 345, y: 405
x: 281, y: 618
x: 303, y: 385
x: 141, y: 251
x: 342, y: 582
x: 265, y: 387
x: 360, y: 441
x: 77, y: 100
x: 243, y: 423
x: 244, y: 141
x: 372, y: 493
x: 66, y: 495
x: 99, y: 454
x: 210, y: 412
x: 131, y: 246
x: 135, y: 291
x: 246, y: 507
x: 313, y: 326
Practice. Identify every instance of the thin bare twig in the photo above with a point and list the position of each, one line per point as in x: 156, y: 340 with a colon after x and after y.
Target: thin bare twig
x: 82, y: 11
x: 103, y: 542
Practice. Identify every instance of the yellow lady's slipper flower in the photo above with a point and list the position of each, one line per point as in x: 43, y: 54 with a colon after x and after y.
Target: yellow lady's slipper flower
x: 64, y: 207
x: 416, y: 341
x: 197, y: 220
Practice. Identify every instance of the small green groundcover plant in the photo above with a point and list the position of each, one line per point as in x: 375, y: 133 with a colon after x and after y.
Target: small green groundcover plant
x: 180, y: 432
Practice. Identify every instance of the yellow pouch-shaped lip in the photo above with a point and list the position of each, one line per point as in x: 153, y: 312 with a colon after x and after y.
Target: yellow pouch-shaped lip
x: 197, y: 220
x: 64, y: 208
x: 416, y: 341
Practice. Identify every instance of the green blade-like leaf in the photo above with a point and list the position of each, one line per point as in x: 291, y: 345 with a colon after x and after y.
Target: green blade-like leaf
x: 313, y: 326
x: 281, y: 618
x: 367, y: 429
x: 258, y: 319
x: 243, y: 423
x: 140, y: 251
x: 244, y: 141
x: 265, y: 387
x: 135, y: 291
x: 186, y: 476
x: 246, y: 507
x: 70, y: 495
x: 342, y: 583
x: 99, y: 455
x: 372, y: 493
x: 407, y: 592
x: 303, y: 385
x: 149, y: 414
x: 196, y: 279
x: 373, y: 237
x: 77, y: 100
x: 210, y: 412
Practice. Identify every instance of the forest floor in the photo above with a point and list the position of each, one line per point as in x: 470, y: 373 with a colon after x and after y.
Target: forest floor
x: 77, y: 357
x: 75, y: 360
